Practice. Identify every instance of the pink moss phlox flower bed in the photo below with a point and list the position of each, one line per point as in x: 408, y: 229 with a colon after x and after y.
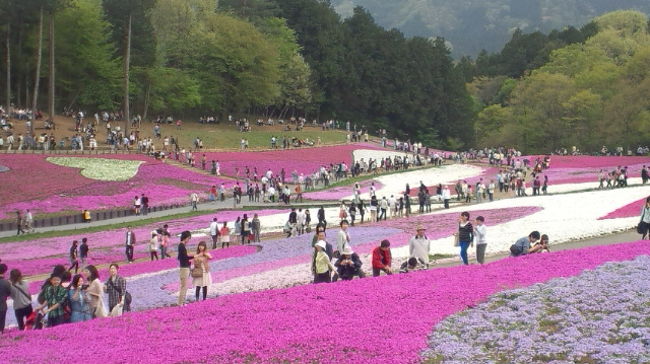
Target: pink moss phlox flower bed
x: 372, y: 320
x: 38, y: 256
x: 304, y: 160
x: 630, y: 210
x: 340, y: 192
x: 583, y: 161
x: 487, y: 174
x: 45, y: 187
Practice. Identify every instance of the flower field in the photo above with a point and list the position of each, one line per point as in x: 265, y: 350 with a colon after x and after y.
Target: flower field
x: 599, y: 316
x: 306, y: 323
x: 44, y: 187
x: 307, y: 160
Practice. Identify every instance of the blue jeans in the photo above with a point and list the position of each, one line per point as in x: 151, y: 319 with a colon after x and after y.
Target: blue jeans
x: 464, y: 245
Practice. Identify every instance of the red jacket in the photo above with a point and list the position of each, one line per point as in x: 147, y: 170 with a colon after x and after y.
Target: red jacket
x: 380, y: 258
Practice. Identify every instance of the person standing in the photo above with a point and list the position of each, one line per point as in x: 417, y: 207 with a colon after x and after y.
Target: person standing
x: 194, y: 199
x: 5, y: 291
x: 83, y: 250
x: 383, y: 206
x: 22, y: 299
x: 465, y: 235
x: 79, y: 300
x: 644, y: 224
x: 115, y: 287
x: 342, y: 238
x: 382, y: 259
x: 480, y: 232
x: 153, y: 245
x: 321, y: 264
x: 224, y: 235
x: 95, y: 290
x: 256, y: 226
x: 145, y: 204
x: 201, y: 261
x: 419, y: 246
x: 321, y: 216
x: 446, y: 196
x: 55, y: 296
x: 129, y: 242
x: 184, y: 262
x: 214, y: 232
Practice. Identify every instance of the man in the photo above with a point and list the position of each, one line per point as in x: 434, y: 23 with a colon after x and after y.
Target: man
x: 644, y: 175
x: 293, y: 222
x: 383, y: 206
x: 145, y: 204
x: 5, y: 291
x: 523, y: 245
x: 381, y: 259
x: 348, y: 266
x: 446, y: 196
x: 214, y: 232
x: 342, y: 238
x: 29, y: 221
x: 130, y: 242
x: 321, y: 216
x: 194, y: 199
x: 19, y: 223
x: 83, y: 251
x: 419, y: 246
x: 184, y: 262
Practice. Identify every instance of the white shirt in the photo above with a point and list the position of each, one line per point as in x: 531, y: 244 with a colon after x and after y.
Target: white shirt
x: 480, y: 233
x: 419, y: 248
x: 342, y: 239
x: 214, y: 228
x: 446, y: 194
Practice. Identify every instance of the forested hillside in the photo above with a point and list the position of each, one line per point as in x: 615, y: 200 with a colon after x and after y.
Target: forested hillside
x: 473, y: 25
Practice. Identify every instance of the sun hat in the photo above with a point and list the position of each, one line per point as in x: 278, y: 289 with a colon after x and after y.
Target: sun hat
x: 347, y: 251
x: 420, y: 227
x: 322, y: 244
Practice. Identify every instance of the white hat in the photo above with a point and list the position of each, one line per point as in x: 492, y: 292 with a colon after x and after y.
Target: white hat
x: 347, y: 251
x: 322, y: 244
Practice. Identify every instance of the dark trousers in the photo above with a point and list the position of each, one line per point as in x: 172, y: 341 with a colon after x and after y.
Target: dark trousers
x: 21, y: 313
x: 215, y: 238
x: 3, y: 315
x: 376, y: 272
x: 198, y: 292
x: 322, y: 278
x: 129, y: 253
x: 446, y: 203
x: 54, y: 321
x: 154, y: 254
x: 382, y: 215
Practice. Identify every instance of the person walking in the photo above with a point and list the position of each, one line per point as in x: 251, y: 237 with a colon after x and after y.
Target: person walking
x: 342, y: 238
x: 224, y: 235
x: 644, y: 225
x: 184, y: 262
x: 153, y: 245
x: 19, y: 223
x: 79, y: 300
x: 201, y: 265
x: 5, y: 291
x: 115, y: 287
x: 480, y: 232
x: 129, y: 242
x: 194, y: 199
x: 83, y: 250
x: 446, y: 196
x: 465, y: 235
x: 74, y: 261
x: 22, y: 299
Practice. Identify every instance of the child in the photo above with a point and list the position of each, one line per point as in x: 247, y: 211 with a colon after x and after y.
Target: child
x: 480, y: 237
x: 224, y: 235
x: 409, y: 265
x: 541, y: 245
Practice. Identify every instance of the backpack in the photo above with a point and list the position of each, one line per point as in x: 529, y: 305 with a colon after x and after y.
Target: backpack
x: 515, y: 250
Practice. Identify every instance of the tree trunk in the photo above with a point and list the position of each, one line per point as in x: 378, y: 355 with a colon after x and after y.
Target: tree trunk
x: 50, y: 96
x: 39, y: 55
x: 8, y: 59
x: 127, y: 60
x: 147, y: 96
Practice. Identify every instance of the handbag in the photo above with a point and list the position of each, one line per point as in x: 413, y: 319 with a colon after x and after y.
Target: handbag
x: 117, y: 310
x: 127, y: 295
x: 456, y: 240
x: 99, y: 310
x: 197, y: 271
x: 640, y: 227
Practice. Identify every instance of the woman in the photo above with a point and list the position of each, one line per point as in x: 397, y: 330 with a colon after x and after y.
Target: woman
x: 465, y: 235
x: 164, y: 243
x: 116, y: 288
x: 22, y: 298
x: 245, y: 230
x: 256, y: 227
x: 54, y: 299
x: 79, y: 300
x: 201, y: 261
x: 307, y: 221
x: 321, y: 265
x: 224, y: 235
x: 95, y: 290
x: 153, y: 245
x: 238, y: 230
x: 74, y: 261
x: 644, y: 224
